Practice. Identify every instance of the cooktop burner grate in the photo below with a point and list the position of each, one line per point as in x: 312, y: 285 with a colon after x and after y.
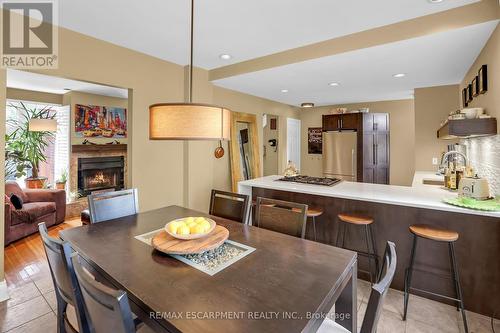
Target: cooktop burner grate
x: 311, y: 180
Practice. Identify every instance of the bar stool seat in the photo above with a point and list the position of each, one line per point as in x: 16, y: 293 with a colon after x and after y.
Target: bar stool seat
x: 355, y: 219
x: 434, y: 233
x: 312, y: 212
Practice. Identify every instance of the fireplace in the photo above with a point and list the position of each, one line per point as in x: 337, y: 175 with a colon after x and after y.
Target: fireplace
x: 100, y: 174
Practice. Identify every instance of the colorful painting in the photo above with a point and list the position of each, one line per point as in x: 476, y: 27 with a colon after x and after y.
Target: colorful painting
x: 92, y: 121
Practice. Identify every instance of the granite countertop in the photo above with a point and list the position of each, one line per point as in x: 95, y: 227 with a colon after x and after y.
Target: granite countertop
x: 419, y: 196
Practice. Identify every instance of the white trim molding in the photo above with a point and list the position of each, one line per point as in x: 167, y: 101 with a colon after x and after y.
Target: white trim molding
x: 4, y: 292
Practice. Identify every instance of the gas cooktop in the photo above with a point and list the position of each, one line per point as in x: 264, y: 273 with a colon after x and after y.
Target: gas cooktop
x: 311, y: 180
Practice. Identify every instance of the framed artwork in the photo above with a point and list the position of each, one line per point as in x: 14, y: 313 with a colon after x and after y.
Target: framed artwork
x: 315, y: 140
x: 469, y: 93
x: 464, y: 98
x: 475, y: 87
x: 100, y: 121
x: 482, y: 78
x: 273, y: 123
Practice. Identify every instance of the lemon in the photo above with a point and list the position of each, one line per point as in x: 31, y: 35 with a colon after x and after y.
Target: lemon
x: 198, y: 229
x: 172, y: 227
x: 183, y: 230
x: 188, y: 220
x: 199, y: 219
x: 205, y: 224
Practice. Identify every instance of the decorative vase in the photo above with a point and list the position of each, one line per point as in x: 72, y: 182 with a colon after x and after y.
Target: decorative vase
x: 35, y: 183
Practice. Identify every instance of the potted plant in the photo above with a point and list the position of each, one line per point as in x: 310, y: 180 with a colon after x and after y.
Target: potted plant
x: 61, y: 182
x: 29, y: 146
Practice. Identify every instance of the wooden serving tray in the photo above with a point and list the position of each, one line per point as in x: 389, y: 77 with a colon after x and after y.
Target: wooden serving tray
x: 168, y: 244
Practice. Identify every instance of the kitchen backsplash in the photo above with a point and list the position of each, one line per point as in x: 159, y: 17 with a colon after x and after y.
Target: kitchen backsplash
x: 484, y: 155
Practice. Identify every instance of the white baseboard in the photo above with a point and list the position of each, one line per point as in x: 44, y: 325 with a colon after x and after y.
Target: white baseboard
x: 4, y: 292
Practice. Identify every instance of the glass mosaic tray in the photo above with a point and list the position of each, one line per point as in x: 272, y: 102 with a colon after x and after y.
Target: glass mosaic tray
x: 491, y: 205
x: 209, y: 262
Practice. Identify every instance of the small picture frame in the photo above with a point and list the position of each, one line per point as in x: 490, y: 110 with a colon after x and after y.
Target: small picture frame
x: 464, y: 98
x: 469, y: 93
x: 482, y: 79
x: 475, y: 86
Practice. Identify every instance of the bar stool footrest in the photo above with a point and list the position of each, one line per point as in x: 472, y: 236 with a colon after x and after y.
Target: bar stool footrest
x: 436, y: 294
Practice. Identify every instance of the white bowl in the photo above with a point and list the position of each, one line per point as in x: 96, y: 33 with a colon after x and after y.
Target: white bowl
x: 191, y: 236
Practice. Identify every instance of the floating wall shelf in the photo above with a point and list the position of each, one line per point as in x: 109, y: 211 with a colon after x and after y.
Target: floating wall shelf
x: 467, y: 128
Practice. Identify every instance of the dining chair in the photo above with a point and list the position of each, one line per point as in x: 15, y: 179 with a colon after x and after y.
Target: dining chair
x: 65, y: 283
x: 111, y: 205
x: 281, y: 216
x: 107, y: 309
x: 377, y: 296
x: 228, y: 205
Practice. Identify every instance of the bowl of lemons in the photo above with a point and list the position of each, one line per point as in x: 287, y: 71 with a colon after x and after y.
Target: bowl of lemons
x: 190, y: 227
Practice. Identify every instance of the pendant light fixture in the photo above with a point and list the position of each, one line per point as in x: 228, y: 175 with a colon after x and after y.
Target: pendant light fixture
x: 189, y: 121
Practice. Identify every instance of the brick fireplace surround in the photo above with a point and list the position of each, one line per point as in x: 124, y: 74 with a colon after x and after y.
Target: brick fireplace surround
x: 80, y: 151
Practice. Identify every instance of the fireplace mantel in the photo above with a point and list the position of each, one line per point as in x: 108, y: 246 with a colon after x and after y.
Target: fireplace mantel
x: 98, y: 147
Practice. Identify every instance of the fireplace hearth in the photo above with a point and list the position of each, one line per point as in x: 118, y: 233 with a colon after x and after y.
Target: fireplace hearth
x: 100, y: 174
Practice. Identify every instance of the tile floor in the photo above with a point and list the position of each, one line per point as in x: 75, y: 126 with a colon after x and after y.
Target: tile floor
x: 32, y: 306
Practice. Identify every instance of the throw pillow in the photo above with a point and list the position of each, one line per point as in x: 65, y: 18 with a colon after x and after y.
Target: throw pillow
x: 16, y: 201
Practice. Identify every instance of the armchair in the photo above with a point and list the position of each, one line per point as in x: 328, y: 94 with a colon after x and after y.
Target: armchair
x: 44, y: 205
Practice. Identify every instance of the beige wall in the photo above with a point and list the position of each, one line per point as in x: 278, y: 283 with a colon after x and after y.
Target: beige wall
x: 490, y: 55
x: 75, y: 97
x: 432, y: 106
x: 34, y: 96
x: 270, y: 166
x: 402, y: 142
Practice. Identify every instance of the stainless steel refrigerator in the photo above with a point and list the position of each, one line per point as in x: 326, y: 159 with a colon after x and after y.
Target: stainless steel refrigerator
x: 339, y: 155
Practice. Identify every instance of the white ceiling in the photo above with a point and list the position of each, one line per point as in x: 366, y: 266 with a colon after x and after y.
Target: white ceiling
x: 366, y: 74
x: 56, y: 85
x: 243, y: 29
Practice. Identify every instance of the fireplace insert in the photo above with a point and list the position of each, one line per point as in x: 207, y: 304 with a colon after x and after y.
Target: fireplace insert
x: 100, y: 174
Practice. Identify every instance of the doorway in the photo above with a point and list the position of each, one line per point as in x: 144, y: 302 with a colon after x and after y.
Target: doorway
x: 293, y: 141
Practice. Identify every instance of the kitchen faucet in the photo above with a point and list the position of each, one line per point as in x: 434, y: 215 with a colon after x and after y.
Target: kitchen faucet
x: 444, y: 159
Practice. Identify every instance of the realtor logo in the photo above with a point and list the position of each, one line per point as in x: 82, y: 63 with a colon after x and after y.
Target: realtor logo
x: 29, y: 34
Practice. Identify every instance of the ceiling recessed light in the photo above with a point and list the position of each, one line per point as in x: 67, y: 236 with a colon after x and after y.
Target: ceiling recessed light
x: 284, y: 90
x: 333, y: 84
x: 435, y: 1
x: 307, y: 105
x: 66, y: 89
x: 399, y: 75
x: 225, y: 56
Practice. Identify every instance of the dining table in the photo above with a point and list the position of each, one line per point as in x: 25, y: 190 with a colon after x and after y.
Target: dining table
x: 286, y: 284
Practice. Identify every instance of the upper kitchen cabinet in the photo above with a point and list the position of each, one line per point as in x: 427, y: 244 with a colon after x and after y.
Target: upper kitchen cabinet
x: 339, y: 122
x: 375, y: 122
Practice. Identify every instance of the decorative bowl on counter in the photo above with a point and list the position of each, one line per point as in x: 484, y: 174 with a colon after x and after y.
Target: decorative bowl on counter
x: 188, y: 228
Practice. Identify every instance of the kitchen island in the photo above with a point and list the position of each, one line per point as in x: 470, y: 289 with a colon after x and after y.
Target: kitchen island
x: 394, y: 209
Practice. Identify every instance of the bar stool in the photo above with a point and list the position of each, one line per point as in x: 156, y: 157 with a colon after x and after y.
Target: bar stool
x: 371, y: 252
x: 312, y: 212
x: 439, y: 235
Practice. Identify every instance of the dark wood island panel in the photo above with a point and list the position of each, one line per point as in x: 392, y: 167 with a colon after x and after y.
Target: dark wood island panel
x: 478, y: 247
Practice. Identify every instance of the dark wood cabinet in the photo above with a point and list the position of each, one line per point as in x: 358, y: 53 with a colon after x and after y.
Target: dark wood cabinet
x: 376, y: 148
x: 373, y: 148
x: 338, y: 122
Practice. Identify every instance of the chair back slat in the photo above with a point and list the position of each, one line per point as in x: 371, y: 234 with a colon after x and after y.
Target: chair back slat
x: 108, y: 310
x: 277, y: 215
x: 112, y: 205
x: 228, y: 205
x: 63, y: 276
x: 379, y: 290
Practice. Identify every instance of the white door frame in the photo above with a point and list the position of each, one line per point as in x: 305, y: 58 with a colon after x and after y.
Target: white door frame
x: 293, y: 141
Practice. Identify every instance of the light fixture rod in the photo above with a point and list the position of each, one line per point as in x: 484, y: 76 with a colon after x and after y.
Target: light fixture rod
x: 191, y: 56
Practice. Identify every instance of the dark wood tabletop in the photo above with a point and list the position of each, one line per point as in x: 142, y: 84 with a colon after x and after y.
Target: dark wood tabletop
x: 284, y: 277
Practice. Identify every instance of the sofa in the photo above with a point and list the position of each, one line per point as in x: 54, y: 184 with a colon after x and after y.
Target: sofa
x: 43, y: 205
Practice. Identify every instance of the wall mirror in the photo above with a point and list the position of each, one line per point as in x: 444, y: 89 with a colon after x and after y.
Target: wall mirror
x: 245, y: 157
